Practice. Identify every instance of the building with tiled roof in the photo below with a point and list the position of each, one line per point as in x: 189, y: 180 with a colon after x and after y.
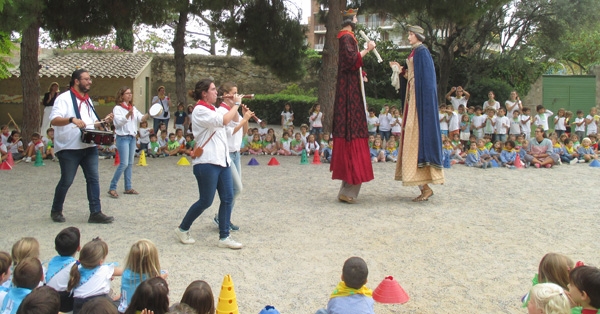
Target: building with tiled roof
x: 109, y: 71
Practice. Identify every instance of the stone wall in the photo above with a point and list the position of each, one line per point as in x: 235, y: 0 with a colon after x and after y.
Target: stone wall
x: 250, y: 79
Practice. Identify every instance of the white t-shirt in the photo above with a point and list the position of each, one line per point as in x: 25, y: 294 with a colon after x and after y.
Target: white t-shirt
x: 443, y: 123
x: 592, y: 128
x: 525, y: 126
x: 495, y: 106
x: 515, y: 126
x: 144, y: 135
x: 559, y: 123
x: 5, y: 138
x: 287, y: 116
x: 478, y: 121
x: 372, y: 121
x: 489, y: 128
x: 204, y: 122
x: 456, y: 102
x: 59, y: 281
x: 262, y: 132
x: 501, y: 124
x: 234, y: 140
x: 385, y: 121
x: 509, y: 113
x: 164, y: 103
x: 98, y: 284
x: 397, y: 125
x: 68, y: 136
x: 126, y: 126
x: 315, y: 120
x: 454, y: 122
x: 580, y: 128
x: 14, y: 147
x: 542, y: 119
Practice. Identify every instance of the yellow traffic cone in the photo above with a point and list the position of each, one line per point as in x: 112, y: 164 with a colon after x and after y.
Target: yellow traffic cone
x: 142, y: 161
x: 183, y: 162
x: 227, y: 300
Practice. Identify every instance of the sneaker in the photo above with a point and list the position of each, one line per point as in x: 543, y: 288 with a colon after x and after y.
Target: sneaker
x: 100, y: 218
x: 233, y: 227
x: 184, y: 236
x: 548, y: 166
x: 101, y: 157
x: 537, y: 165
x: 57, y: 217
x: 27, y: 159
x: 229, y: 243
x: 581, y: 161
x: 559, y: 162
x: 573, y: 161
x: 54, y: 159
x: 216, y: 220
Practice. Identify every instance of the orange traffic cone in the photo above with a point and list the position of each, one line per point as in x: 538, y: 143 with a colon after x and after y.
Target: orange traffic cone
x: 518, y: 163
x: 389, y: 291
x: 117, y: 159
x: 227, y: 300
x: 316, y: 158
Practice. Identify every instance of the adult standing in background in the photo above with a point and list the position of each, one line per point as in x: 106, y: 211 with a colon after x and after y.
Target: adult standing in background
x: 48, y: 103
x: 165, y: 101
x: 73, y: 111
x: 491, y: 102
x: 211, y: 169
x: 351, y: 160
x: 420, y: 152
x: 126, y: 120
x: 461, y: 97
x: 385, y: 123
x: 514, y: 103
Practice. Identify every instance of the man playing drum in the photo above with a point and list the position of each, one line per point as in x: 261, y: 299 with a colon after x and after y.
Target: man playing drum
x: 73, y: 110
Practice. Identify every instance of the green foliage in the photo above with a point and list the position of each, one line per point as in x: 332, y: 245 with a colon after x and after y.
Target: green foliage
x: 270, y: 36
x: 583, y: 49
x: 124, y: 38
x: 480, y: 88
x: 5, y: 49
x: 294, y: 89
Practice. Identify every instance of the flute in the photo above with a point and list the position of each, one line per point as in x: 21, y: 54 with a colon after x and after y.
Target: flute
x: 364, y: 36
x: 249, y: 96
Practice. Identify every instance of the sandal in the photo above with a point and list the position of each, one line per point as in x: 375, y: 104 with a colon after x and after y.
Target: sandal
x: 347, y: 199
x: 425, y: 195
x: 113, y: 194
x: 131, y: 191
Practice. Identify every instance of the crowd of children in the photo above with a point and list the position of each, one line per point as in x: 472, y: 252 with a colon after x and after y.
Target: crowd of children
x: 82, y: 284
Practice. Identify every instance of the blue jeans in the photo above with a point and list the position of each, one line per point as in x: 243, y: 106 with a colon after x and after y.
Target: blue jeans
x: 126, y: 149
x: 385, y: 135
x: 317, y: 131
x: 500, y: 137
x: 236, y: 174
x: 69, y: 161
x: 157, y: 123
x: 211, y: 178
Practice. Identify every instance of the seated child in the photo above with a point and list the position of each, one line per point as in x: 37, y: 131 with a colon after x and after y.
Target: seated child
x: 3, y: 152
x: 377, y: 152
x: 548, y: 298
x: 199, y: 296
x: 27, y: 276
x: 67, y: 245
x: 33, y: 147
x: 508, y: 155
x: 447, y: 149
x: 14, y: 145
x: 584, y: 288
x: 263, y: 130
x: 180, y: 138
x: 150, y: 295
x: 458, y: 156
x: 297, y: 145
x: 22, y: 249
x: 474, y: 158
x: 245, y: 147
x: 285, y: 145
x: 351, y: 295
x: 312, y: 147
x: 107, y: 151
x: 5, y: 134
x: 154, y: 149
x: 42, y: 300
x: 89, y: 277
x: 142, y: 264
x: 163, y: 143
x: 101, y: 306
x: 324, y: 142
x: 304, y: 133
x: 484, y: 154
x: 49, y: 144
x: 173, y: 146
x: 269, y: 145
x: 391, y: 151
x: 190, y: 144
x: 586, y: 152
x: 5, y: 273
x: 569, y: 154
x: 326, y: 152
x: 496, y: 151
x: 553, y: 268
x: 256, y: 145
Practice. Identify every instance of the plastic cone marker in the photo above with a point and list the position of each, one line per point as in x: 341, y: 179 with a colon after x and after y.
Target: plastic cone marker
x: 303, y: 158
x: 595, y: 163
x: 39, y: 161
x: 10, y: 160
x: 518, y: 163
x: 273, y: 162
x: 316, y: 158
x: 269, y: 309
x: 5, y: 166
x: 389, y: 291
x: 183, y: 162
x: 494, y: 163
x: 142, y: 161
x: 227, y: 303
x: 117, y: 159
x: 253, y: 162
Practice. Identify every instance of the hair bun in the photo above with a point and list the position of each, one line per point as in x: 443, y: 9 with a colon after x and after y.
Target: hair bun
x: 190, y: 93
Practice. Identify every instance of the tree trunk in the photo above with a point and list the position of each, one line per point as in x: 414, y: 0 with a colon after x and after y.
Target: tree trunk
x: 329, y: 66
x: 178, y: 45
x: 446, y: 58
x: 30, y: 81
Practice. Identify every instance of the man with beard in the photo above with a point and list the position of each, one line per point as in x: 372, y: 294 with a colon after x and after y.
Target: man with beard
x: 350, y: 161
x: 71, y: 151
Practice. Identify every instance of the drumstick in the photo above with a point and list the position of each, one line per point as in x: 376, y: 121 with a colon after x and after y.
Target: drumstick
x: 13, y: 120
x: 93, y: 124
x: 364, y: 36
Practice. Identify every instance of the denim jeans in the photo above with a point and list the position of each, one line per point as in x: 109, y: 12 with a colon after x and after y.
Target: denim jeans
x: 385, y: 135
x: 500, y: 137
x: 211, y: 178
x: 69, y: 161
x: 126, y: 149
x: 236, y: 175
x: 157, y: 123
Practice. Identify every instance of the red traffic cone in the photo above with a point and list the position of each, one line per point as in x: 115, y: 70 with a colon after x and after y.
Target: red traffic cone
x: 5, y: 165
x: 518, y: 163
x: 273, y: 162
x: 389, y: 291
x: 117, y: 158
x: 10, y: 160
x: 316, y: 158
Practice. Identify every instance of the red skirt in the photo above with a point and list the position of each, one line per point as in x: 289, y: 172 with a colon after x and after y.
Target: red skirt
x: 351, y: 161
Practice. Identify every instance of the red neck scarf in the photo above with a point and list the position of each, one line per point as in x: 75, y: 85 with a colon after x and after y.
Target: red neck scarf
x: 203, y: 103
x: 225, y: 105
x: 127, y: 106
x: 82, y: 99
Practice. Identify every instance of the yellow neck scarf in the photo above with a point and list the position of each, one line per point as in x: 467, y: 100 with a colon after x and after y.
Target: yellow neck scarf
x: 570, y: 150
x: 508, y: 150
x: 343, y: 291
x: 556, y: 145
x: 472, y: 151
x: 447, y: 147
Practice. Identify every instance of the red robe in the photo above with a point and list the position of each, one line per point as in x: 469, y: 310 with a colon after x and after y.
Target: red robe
x: 350, y: 160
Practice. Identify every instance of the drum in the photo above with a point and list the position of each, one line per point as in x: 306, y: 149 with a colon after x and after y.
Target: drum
x: 97, y: 137
x: 156, y: 110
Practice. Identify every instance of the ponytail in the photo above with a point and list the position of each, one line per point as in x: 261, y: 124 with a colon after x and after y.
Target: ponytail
x: 74, y: 278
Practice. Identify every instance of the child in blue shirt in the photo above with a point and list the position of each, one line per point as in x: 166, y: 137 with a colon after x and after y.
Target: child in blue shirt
x: 26, y: 277
x: 67, y: 245
x: 180, y: 118
x: 351, y: 295
x: 508, y: 155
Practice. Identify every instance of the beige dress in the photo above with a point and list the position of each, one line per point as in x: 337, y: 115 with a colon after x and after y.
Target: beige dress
x: 407, y: 170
